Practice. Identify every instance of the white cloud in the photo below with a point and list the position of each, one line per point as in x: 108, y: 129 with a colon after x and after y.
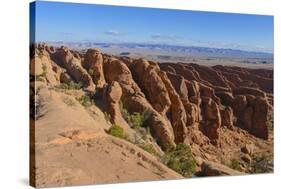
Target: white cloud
x: 113, y: 33
x: 164, y: 37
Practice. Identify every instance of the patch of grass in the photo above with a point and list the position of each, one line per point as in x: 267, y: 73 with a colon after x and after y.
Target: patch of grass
x: 149, y: 148
x: 68, y: 101
x: 269, y: 124
x: 234, y: 164
x: 126, y: 115
x: 85, y: 101
x: 262, y: 163
x: 136, y: 119
x: 71, y: 86
x: 138, y: 122
x: 38, y: 78
x: 180, y: 160
x: 44, y: 67
x: 117, y: 131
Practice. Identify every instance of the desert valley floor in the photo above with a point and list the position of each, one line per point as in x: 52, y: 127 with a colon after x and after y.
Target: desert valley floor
x: 98, y: 118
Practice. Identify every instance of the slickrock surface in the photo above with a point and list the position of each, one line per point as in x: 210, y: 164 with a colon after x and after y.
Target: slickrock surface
x: 216, y: 111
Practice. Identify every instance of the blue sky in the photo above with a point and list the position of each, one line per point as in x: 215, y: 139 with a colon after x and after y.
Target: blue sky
x: 98, y: 23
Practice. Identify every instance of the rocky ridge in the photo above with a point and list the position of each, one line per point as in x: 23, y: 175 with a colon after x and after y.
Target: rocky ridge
x: 214, y: 110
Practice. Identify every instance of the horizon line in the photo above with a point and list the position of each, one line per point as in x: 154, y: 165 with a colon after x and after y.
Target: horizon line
x: 147, y: 43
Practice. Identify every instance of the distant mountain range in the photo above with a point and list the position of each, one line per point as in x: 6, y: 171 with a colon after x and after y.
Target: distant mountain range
x: 183, y: 50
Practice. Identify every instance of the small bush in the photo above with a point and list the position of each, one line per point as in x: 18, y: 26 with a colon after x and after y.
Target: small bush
x: 117, y: 131
x: 126, y: 115
x: 44, y: 67
x: 181, y: 160
x: 85, y: 100
x: 269, y: 124
x: 262, y: 163
x: 38, y: 78
x: 135, y: 120
x: 149, y: 148
x: 71, y: 86
x: 68, y: 101
x: 235, y: 164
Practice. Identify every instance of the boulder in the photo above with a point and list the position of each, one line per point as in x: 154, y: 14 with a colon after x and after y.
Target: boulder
x: 246, y: 158
x: 93, y: 63
x: 211, y: 119
x: 216, y: 169
x: 227, y: 117
x: 248, y: 149
x: 260, y: 118
x: 36, y: 67
x: 112, y: 96
x: 65, y: 77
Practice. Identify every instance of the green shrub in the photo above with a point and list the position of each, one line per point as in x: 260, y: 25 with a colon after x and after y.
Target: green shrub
x: 44, y: 67
x: 126, y: 115
x: 135, y: 120
x: 269, y: 124
x: 68, y: 101
x: 85, y: 100
x: 71, y: 86
x: 38, y: 78
x: 180, y: 160
x: 262, y: 163
x: 117, y: 131
x: 149, y: 148
x: 235, y: 164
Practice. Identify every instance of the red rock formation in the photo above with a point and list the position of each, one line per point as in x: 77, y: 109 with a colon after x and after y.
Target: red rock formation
x: 112, y: 96
x: 178, y: 114
x: 248, y: 77
x: 134, y: 100
x: 147, y: 77
x: 249, y: 91
x: 227, y: 117
x: 64, y: 58
x: 93, y: 63
x: 211, y: 119
x: 205, y: 107
x: 252, y: 114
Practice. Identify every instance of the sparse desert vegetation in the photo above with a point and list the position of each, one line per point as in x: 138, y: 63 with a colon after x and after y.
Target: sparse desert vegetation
x: 181, y: 160
x: 191, y: 119
x: 117, y: 131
